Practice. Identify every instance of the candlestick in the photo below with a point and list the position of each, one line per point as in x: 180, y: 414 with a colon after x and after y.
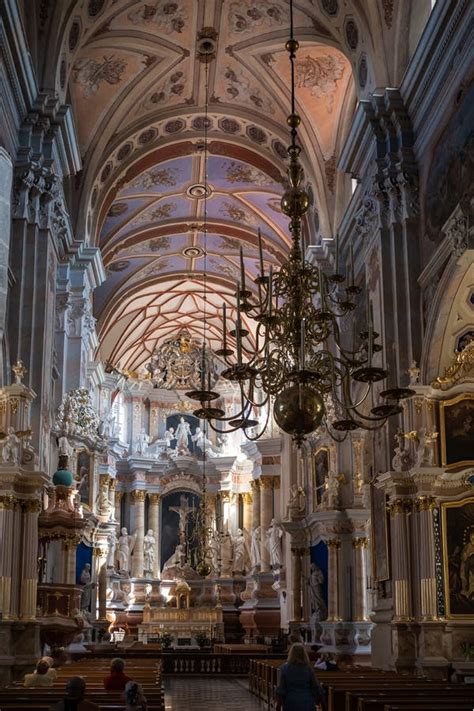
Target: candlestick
x: 242, y: 269
x: 224, y: 326
x: 302, y: 343
x: 260, y: 252
x: 238, y: 341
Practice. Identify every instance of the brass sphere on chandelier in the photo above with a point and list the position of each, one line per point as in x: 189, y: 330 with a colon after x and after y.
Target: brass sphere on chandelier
x: 298, y: 410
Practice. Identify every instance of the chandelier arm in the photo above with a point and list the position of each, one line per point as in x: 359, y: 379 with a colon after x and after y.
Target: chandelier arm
x: 254, y: 439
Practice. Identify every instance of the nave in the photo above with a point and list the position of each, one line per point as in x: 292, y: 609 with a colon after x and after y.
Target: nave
x: 185, y: 694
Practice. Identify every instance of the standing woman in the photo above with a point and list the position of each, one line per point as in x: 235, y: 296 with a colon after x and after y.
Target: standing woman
x: 298, y: 689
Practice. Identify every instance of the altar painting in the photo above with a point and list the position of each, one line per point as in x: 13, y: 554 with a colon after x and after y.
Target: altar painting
x: 181, y: 429
x: 172, y: 521
x: 457, y: 530
x: 457, y: 431
x: 321, y: 465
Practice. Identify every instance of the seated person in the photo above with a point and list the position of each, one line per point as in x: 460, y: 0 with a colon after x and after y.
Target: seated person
x: 325, y: 662
x: 40, y: 676
x: 116, y: 680
x: 134, y: 698
x: 51, y: 671
x: 74, y: 699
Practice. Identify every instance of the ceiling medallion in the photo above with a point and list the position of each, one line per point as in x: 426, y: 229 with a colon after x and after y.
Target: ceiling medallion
x: 193, y: 252
x: 299, y: 361
x: 206, y: 44
x: 180, y: 362
x: 198, y: 191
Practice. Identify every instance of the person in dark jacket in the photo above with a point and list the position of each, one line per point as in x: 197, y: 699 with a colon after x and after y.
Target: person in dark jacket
x: 297, y: 689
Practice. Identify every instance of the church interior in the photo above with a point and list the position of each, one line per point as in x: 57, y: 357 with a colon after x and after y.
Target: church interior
x: 237, y: 352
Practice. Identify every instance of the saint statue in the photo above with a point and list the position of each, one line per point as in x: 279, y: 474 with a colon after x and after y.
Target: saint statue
x: 226, y: 555
x: 238, y: 544
x: 183, y: 431
x: 141, y: 443
x: 317, y: 602
x: 177, y: 559
x: 274, y: 535
x: 183, y: 511
x: 86, y: 581
x: 126, y: 544
x: 330, y: 497
x: 112, y: 541
x: 169, y: 437
x: 10, y: 447
x: 203, y: 442
x: 149, y: 546
x: 255, y: 550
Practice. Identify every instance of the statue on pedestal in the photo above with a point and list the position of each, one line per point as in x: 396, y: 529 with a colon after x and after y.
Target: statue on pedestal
x: 297, y: 503
x: 149, y: 546
x: 255, y: 551
x: 112, y: 541
x: 176, y: 559
x: 10, y: 445
x: 424, y: 451
x: 203, y: 442
x: 401, y: 457
x: 85, y: 580
x: 169, y: 437
x: 317, y: 602
x: 126, y: 545
x: 274, y: 536
x: 141, y: 443
x: 330, y: 497
x: 226, y: 555
x: 183, y: 431
x: 238, y: 545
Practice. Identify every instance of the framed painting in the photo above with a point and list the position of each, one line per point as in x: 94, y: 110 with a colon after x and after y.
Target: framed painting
x: 457, y: 531
x: 380, y: 535
x: 457, y: 431
x: 321, y: 466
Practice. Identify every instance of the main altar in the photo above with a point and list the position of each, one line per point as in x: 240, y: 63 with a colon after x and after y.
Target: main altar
x: 182, y: 624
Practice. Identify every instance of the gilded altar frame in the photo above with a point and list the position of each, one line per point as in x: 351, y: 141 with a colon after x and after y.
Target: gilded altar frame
x: 447, y: 437
x: 451, y: 528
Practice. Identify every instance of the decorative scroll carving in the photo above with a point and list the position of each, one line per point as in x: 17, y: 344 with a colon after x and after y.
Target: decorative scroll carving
x: 460, y: 371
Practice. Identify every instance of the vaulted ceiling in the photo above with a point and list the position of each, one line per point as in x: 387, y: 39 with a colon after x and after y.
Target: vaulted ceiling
x: 137, y: 83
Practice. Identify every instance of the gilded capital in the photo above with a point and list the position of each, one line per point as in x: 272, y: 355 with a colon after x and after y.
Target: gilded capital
x: 400, y: 506
x: 138, y: 496
x: 255, y: 485
x: 333, y: 543
x: 361, y: 542
x: 225, y: 496
x: 7, y: 501
x: 247, y: 498
x: 266, y: 482
x: 31, y: 505
x: 112, y: 484
x: 425, y: 503
x: 154, y: 498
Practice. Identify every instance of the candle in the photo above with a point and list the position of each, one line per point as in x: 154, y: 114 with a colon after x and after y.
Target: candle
x: 238, y: 302
x: 239, y: 341
x: 337, y: 254
x: 260, y: 252
x: 242, y: 269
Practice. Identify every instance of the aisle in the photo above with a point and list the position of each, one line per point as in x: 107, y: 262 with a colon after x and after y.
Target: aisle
x: 211, y: 694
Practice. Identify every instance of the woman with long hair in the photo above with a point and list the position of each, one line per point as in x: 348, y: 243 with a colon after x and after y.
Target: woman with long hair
x: 134, y: 698
x: 297, y: 689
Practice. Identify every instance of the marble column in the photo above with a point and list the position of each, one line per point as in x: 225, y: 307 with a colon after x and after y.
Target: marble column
x: 101, y: 568
x: 247, y: 501
x: 266, y: 515
x: 138, y: 504
x: 6, y: 179
x: 112, y: 488
x: 426, y: 558
x: 225, y: 508
x: 297, y: 555
x: 334, y: 545
x: 7, y: 506
x: 70, y: 546
x: 117, y: 505
x: 255, y: 486
x: 400, y: 511
x: 29, y: 562
x: 154, y: 524
x: 360, y: 575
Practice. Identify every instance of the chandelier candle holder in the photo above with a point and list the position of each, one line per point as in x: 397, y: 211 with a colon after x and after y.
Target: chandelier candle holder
x: 298, y: 360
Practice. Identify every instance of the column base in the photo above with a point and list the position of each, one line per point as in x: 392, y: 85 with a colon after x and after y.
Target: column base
x: 260, y: 612
x: 352, y: 638
x: 20, y: 644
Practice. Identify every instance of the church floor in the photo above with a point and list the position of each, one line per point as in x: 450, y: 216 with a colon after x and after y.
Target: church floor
x: 210, y: 694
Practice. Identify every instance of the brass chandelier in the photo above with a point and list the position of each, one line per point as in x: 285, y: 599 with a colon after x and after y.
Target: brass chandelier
x: 298, y: 360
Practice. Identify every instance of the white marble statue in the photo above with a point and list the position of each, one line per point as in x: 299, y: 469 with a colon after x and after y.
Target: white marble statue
x: 85, y: 580
x: 317, y: 602
x: 141, y: 443
x: 203, y: 442
x: 226, y: 553
x: 255, y: 550
x: 183, y: 431
x: 330, y: 497
x: 183, y: 511
x: 149, y: 548
x: 126, y: 544
x: 10, y: 445
x: 112, y: 541
x: 176, y: 559
x: 274, y: 536
x: 239, y: 551
x: 215, y: 547
x: 169, y: 437
x: 424, y: 451
x: 64, y: 448
x: 104, y: 507
x: 109, y: 425
x: 401, y: 457
x: 297, y: 504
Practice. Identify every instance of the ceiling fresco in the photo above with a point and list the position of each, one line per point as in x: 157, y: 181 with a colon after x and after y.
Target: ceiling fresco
x: 138, y: 85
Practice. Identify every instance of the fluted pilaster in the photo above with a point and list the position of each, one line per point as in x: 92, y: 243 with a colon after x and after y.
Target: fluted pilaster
x: 138, y: 506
